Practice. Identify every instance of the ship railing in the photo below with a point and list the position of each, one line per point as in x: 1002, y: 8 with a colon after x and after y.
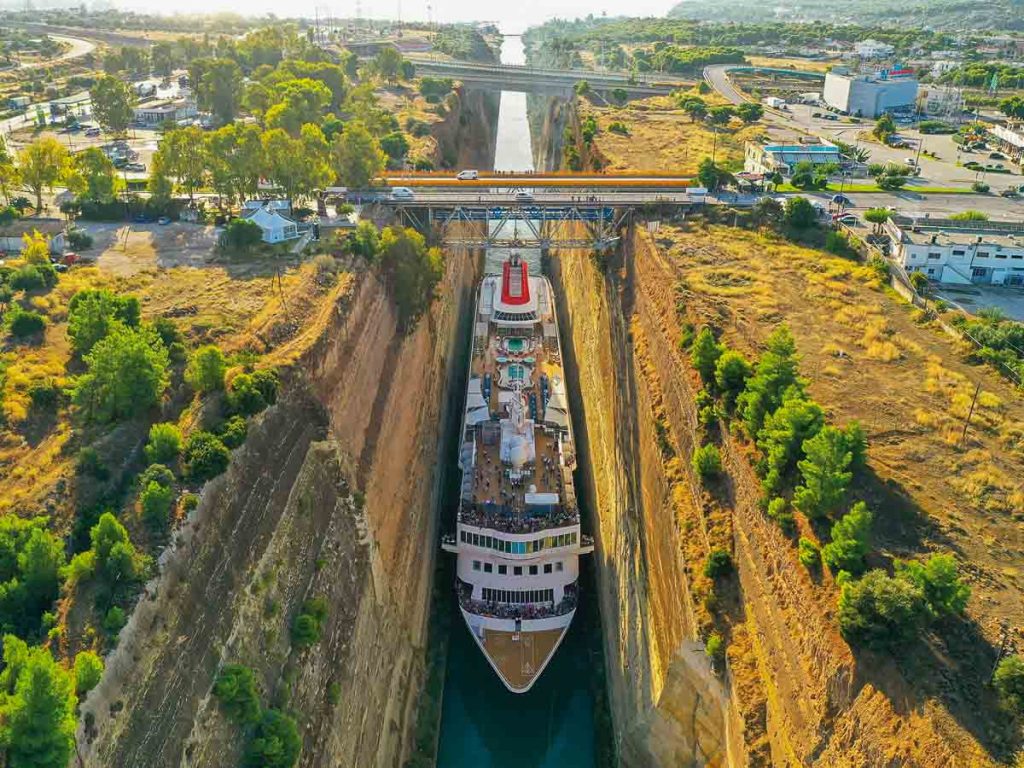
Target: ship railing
x: 525, y: 611
x: 505, y: 519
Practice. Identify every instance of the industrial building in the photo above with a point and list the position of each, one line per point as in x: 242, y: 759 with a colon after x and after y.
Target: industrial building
x: 959, y: 252
x: 783, y: 158
x: 871, y: 95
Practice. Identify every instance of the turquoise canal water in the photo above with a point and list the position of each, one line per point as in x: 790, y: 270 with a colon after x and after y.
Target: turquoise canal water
x: 554, y: 724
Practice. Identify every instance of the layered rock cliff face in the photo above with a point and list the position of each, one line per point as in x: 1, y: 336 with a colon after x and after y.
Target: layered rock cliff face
x: 668, y: 707
x: 466, y: 136
x: 332, y: 496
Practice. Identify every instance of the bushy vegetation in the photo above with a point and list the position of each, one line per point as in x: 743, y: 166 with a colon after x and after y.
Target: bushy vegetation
x: 1009, y: 683
x: 206, y: 369
x: 850, y: 540
x: 164, y: 446
x: 410, y: 269
x: 205, y: 456
x: 31, y: 559
x: 93, y: 314
x: 235, y: 689
x: 718, y: 564
x: 707, y: 462
x: 126, y: 374
x: 809, y: 553
x: 1000, y: 341
x: 276, y: 742
x: 308, y: 624
x: 88, y: 671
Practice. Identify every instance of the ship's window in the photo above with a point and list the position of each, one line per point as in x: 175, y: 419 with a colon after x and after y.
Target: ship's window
x: 533, y: 570
x: 476, y: 540
x: 547, y: 567
x: 517, y: 570
x: 502, y: 570
x: 559, y: 566
x: 488, y: 568
x: 519, y: 547
x: 476, y: 565
x: 574, y: 538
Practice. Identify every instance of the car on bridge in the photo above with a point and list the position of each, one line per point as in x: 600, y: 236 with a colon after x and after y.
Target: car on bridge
x: 468, y: 175
x: 522, y: 196
x: 402, y: 193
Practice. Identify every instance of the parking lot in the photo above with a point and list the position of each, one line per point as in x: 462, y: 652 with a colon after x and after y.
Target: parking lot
x: 972, y: 298
x: 126, y: 249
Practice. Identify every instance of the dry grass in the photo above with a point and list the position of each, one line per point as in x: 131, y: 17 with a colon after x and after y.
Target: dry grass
x: 662, y: 137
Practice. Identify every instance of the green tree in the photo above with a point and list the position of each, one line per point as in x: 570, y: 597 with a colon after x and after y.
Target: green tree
x: 731, y: 373
x: 388, y: 63
x: 1009, y: 683
x: 156, y: 501
x: 206, y: 369
x: 851, y: 535
x: 718, y: 563
x: 395, y: 145
x: 365, y: 240
x: 218, y: 84
x: 126, y: 373
x: 205, y: 456
x: 877, y: 217
x: 776, y: 371
x: 720, y: 116
x: 235, y: 160
x: 275, y: 744
x: 297, y: 166
x: 358, y: 158
x: 782, y: 437
x: 695, y: 107
x: 39, y: 715
x: 808, y: 553
x: 704, y: 355
x: 93, y: 176
x: 800, y: 214
x: 183, y: 156
x: 707, y: 462
x: 116, y: 559
x: 749, y: 112
x: 826, y: 474
x: 939, y: 581
x: 88, y: 671
x: 710, y: 175
x: 884, y: 128
x: 94, y: 313
x: 113, y: 103
x: 880, y: 612
x: 42, y: 164
x: 164, y: 444
x: 300, y: 101
x: 411, y: 271
x: 236, y: 690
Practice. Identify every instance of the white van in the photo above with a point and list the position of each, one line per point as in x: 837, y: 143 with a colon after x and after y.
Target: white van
x: 402, y: 193
x: 468, y: 175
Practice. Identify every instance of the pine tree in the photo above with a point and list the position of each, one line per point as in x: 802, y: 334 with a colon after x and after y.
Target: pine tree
x: 705, y: 354
x: 825, y: 473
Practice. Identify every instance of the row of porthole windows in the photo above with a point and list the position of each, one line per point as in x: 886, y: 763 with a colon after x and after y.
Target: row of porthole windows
x: 517, y: 547
x: 519, y: 595
x: 517, y: 570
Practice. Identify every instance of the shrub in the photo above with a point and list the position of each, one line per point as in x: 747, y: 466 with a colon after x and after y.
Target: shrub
x: 156, y: 501
x: 114, y: 620
x: 308, y: 624
x: 850, y: 536
x: 89, y: 463
x: 275, y: 744
x: 704, y: 355
x: 719, y: 563
x: 92, y: 314
x: 167, y: 331
x: 919, y: 282
x: 825, y: 473
x: 24, y: 323
x: 241, y: 234
x: 126, y: 374
x: 189, y: 501
x: 809, y: 553
x: 880, y: 612
x: 33, y: 277
x: 235, y: 689
x: 156, y: 473
x: 944, y: 592
x: 233, y: 432
x: 1009, y: 683
x: 79, y: 240
x: 164, y: 444
x: 981, y: 187
x: 206, y: 369
x: 88, y: 671
x: 800, y: 214
x: 731, y: 373
x: 715, y: 648
x: 707, y: 462
x: 205, y: 456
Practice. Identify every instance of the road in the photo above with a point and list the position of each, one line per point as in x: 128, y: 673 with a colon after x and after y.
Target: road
x: 547, y: 197
x: 716, y: 77
x: 565, y: 181
x: 78, y: 48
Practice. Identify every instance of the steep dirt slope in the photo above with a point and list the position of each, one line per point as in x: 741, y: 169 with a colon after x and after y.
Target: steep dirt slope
x: 332, y: 496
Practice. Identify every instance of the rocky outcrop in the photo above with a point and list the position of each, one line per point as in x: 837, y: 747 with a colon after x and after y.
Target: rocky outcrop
x: 465, y: 137
x: 332, y: 496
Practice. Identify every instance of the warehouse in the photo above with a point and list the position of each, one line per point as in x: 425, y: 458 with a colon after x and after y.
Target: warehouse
x: 870, y: 95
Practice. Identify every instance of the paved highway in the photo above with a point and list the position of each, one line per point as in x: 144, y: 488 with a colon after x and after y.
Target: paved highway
x: 716, y: 77
x: 565, y: 181
x: 433, y: 196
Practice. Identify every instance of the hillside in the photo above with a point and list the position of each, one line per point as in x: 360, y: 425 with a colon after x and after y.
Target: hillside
x: 937, y: 14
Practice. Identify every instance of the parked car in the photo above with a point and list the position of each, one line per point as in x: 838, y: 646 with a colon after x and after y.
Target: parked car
x: 137, y: 167
x: 468, y: 175
x: 1010, y: 193
x: 815, y: 114
x: 841, y: 200
x: 402, y: 193
x: 94, y: 131
x: 996, y: 156
x: 848, y: 218
x: 163, y: 220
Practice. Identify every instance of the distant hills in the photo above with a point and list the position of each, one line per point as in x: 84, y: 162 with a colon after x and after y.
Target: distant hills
x: 987, y: 15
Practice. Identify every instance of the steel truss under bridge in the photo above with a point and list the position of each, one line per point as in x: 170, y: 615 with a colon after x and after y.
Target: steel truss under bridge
x: 519, y: 226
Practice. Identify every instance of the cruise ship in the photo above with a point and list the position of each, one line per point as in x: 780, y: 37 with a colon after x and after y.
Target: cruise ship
x: 517, y: 535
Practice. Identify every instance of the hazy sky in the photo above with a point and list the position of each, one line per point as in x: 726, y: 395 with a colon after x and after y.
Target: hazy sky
x: 513, y: 16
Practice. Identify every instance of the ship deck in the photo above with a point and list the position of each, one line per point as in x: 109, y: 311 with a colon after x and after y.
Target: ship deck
x: 520, y: 657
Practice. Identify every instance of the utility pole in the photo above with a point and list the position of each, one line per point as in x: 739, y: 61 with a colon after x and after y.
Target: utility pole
x: 970, y: 413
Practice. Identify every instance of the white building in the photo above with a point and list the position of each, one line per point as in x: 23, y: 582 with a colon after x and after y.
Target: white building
x: 271, y: 217
x: 162, y: 110
x: 871, y: 95
x: 960, y: 252
x: 940, y: 101
x: 783, y: 158
x: 872, y: 49
x: 1010, y: 139
x: 12, y: 236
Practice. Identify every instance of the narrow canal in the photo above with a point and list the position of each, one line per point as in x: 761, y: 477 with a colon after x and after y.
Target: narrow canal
x: 483, y: 725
